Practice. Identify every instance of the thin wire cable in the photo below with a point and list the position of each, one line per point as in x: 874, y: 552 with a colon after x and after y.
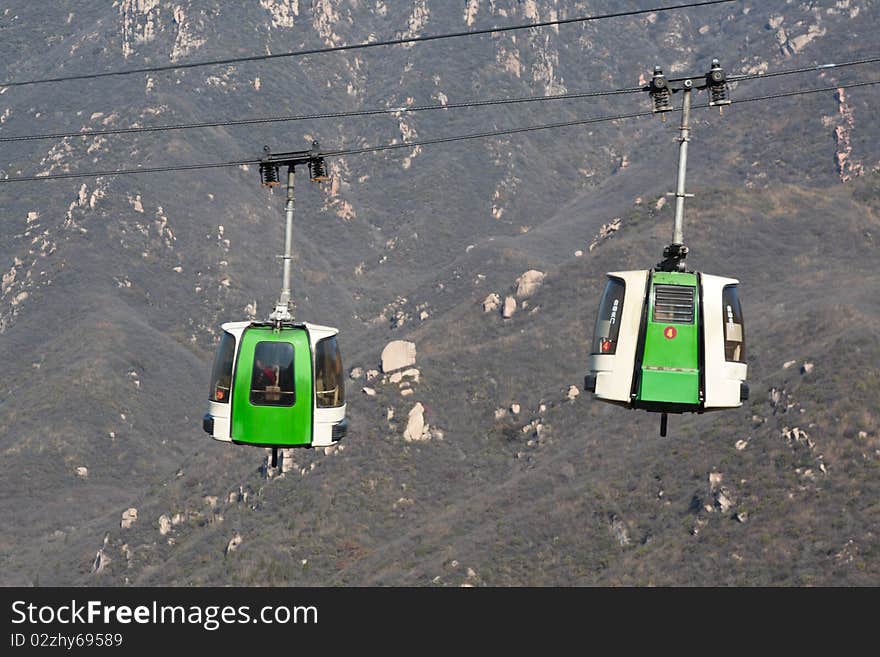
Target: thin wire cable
x: 803, y: 92
x: 361, y: 46
x: 442, y: 140
x: 125, y: 172
x: 392, y: 110
x: 424, y: 142
x: 324, y: 115
x: 481, y: 135
x: 804, y: 69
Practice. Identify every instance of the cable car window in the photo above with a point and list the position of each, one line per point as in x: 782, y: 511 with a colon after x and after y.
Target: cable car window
x: 674, y: 304
x: 734, y: 328
x: 221, y: 374
x: 329, y: 381
x: 272, y: 379
x: 608, y: 320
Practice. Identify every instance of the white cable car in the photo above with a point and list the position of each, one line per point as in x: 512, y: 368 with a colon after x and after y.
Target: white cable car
x: 668, y: 340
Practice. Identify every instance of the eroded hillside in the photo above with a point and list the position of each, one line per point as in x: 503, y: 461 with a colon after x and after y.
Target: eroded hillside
x: 113, y: 290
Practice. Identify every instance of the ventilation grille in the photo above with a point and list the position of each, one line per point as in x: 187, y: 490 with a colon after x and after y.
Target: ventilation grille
x: 674, y: 304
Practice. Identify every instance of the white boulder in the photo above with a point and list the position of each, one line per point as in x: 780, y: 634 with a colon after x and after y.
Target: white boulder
x: 416, y: 427
x: 412, y: 373
x: 129, y: 517
x: 509, y: 308
x: 528, y: 283
x: 491, y: 302
x: 398, y: 354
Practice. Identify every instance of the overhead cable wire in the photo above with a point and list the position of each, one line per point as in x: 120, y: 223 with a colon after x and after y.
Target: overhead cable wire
x: 393, y: 110
x: 361, y: 46
x: 803, y: 69
x: 423, y: 142
x: 323, y: 115
x: 601, y: 119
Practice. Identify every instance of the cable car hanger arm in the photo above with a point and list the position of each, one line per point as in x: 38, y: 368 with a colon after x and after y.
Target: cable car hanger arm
x: 661, y: 90
x: 270, y: 177
x: 270, y: 163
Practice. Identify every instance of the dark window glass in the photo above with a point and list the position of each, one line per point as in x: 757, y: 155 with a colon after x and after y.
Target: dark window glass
x: 734, y: 328
x: 272, y: 380
x: 221, y: 375
x: 329, y: 382
x: 608, y: 320
x: 674, y: 304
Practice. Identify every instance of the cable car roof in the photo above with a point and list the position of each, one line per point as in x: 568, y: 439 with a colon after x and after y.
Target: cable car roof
x: 317, y: 330
x: 623, y: 274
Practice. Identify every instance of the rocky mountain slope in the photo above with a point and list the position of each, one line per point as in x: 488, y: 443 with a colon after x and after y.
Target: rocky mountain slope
x: 113, y: 290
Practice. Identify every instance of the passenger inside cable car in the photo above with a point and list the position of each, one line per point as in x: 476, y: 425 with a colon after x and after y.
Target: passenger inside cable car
x: 265, y: 375
x: 272, y: 382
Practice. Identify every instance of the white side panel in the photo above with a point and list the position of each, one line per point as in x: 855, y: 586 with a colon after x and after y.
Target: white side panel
x: 614, y: 373
x: 218, y: 411
x: 723, y: 378
x: 325, y: 418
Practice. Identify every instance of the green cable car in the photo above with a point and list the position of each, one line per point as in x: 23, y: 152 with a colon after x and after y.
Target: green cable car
x: 279, y: 383
x: 668, y: 340
x: 274, y: 387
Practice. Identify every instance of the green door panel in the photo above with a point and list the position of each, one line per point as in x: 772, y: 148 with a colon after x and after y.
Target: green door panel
x: 679, y: 352
x: 670, y: 362
x: 273, y: 425
x: 673, y: 387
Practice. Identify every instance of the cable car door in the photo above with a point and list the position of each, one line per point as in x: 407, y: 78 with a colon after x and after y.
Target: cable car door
x: 670, y: 364
x: 273, y: 394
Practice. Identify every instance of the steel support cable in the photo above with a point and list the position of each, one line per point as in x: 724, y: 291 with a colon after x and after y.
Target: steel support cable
x: 424, y: 142
x: 369, y: 44
x: 393, y: 110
